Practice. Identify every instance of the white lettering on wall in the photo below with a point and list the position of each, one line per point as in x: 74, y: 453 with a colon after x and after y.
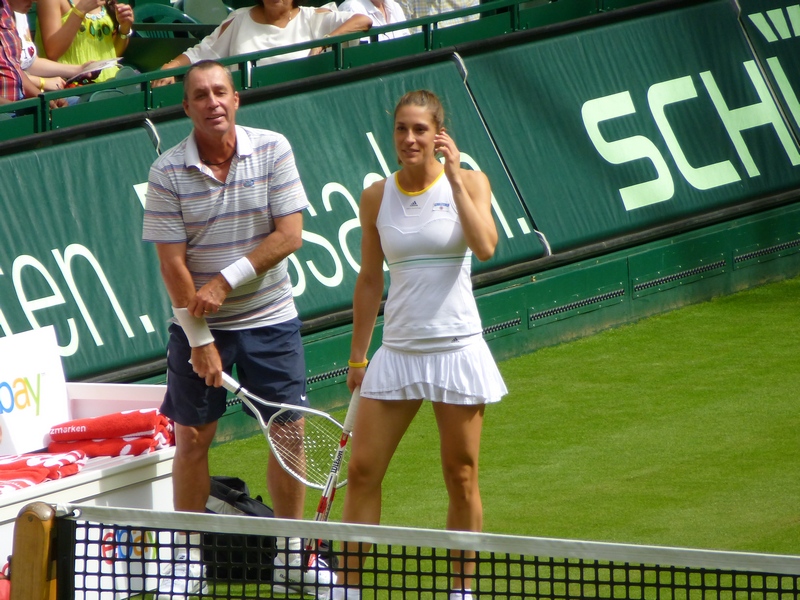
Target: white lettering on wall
x: 764, y: 113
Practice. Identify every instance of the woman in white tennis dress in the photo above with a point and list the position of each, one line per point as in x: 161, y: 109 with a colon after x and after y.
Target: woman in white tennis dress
x: 427, y: 220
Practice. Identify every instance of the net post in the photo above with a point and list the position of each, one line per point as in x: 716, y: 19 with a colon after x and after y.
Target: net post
x: 33, y: 574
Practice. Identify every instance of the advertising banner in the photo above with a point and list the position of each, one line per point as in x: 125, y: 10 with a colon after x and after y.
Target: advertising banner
x: 586, y: 136
x: 773, y: 28
x: 619, y: 128
x: 127, y: 558
x: 72, y: 255
x: 88, y: 273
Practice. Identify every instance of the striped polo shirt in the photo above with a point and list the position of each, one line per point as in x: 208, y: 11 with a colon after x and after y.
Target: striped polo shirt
x: 222, y: 221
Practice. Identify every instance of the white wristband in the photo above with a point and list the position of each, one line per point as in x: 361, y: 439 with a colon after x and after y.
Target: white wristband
x: 239, y: 272
x: 196, y: 329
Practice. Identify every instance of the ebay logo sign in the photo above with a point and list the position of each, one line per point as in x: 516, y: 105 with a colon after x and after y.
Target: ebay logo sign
x: 33, y: 392
x: 21, y: 393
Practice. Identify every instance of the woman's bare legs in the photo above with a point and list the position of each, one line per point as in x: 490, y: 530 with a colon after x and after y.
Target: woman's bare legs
x: 379, y: 427
x: 460, y: 440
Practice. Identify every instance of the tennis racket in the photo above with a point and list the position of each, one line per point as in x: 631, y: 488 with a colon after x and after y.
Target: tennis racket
x: 329, y: 491
x: 304, y: 440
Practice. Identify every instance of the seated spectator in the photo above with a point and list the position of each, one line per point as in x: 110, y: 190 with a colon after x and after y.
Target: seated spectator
x: 382, y: 12
x: 46, y: 74
x: 76, y: 32
x: 11, y: 75
x: 14, y: 83
x: 271, y: 24
x: 416, y: 9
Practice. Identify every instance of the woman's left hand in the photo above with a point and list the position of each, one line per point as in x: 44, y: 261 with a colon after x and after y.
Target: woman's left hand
x: 124, y: 15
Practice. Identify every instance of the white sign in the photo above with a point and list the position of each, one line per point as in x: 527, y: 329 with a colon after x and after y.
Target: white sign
x: 33, y: 392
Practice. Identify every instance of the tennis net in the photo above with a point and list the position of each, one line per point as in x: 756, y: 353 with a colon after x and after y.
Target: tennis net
x: 116, y: 553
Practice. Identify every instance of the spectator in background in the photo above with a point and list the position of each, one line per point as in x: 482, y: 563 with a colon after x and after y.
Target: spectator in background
x: 46, y: 74
x: 11, y: 75
x: 14, y: 83
x: 84, y: 31
x: 270, y: 24
x: 382, y: 12
x: 416, y: 9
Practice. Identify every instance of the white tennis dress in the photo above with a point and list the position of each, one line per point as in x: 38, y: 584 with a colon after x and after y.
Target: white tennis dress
x: 433, y: 347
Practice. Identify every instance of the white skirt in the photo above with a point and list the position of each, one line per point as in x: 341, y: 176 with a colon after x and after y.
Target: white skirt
x: 467, y: 375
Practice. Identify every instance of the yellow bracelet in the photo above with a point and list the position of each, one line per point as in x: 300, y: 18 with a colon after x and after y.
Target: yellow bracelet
x: 78, y: 13
x: 41, y: 84
x: 357, y: 365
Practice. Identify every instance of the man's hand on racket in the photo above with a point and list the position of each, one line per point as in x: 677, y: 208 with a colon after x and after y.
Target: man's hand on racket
x: 207, y: 363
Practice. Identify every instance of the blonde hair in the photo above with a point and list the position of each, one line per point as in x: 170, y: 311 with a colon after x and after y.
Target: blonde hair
x: 425, y: 99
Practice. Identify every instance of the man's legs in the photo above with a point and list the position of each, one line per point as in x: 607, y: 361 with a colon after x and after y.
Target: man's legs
x: 191, y: 482
x: 271, y: 363
x: 191, y: 485
x: 288, y: 495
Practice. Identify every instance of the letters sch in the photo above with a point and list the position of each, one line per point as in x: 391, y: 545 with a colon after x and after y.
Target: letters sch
x: 734, y: 120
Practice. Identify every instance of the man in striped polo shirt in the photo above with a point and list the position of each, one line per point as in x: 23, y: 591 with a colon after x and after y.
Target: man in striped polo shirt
x: 224, y: 208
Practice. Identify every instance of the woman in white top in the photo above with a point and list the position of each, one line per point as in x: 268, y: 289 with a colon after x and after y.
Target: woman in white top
x: 382, y: 13
x: 270, y: 24
x: 426, y: 221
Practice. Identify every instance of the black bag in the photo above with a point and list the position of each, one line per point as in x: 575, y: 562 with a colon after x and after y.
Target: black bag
x: 243, y: 558
x: 231, y: 496
x: 236, y: 557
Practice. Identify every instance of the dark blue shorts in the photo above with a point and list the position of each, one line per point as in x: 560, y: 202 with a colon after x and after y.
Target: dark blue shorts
x: 269, y: 362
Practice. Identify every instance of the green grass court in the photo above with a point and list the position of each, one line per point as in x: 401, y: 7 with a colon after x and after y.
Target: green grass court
x: 679, y: 430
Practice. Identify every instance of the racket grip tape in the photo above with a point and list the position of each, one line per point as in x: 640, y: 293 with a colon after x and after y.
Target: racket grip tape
x: 230, y: 384
x: 350, y: 417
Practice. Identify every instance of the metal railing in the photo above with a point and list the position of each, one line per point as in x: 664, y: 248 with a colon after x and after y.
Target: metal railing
x: 118, y: 98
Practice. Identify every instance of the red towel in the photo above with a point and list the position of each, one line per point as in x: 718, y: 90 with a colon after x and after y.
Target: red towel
x: 132, y: 446
x: 19, y: 471
x: 146, y: 422
x: 22, y: 478
x: 129, y: 433
x: 53, y: 465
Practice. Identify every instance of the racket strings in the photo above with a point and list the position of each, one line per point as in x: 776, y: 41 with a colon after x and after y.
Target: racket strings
x: 307, y: 447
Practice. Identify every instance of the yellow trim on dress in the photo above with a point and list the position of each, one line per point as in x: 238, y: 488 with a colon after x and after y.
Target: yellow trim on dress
x: 397, y: 183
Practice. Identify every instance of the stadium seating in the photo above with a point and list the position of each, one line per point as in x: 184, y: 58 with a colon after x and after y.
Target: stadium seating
x: 159, y: 13
x: 163, y: 32
x: 207, y: 11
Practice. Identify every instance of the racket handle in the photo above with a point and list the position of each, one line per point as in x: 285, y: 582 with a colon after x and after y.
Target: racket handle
x: 350, y: 417
x: 230, y: 384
